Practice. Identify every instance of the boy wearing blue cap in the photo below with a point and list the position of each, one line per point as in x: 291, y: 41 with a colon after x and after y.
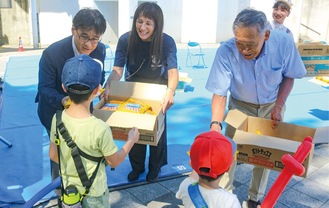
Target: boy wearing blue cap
x: 211, y: 156
x: 81, y: 79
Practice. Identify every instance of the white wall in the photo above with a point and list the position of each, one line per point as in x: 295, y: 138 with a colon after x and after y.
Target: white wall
x: 172, y: 18
x: 110, y: 10
x: 58, y: 29
x: 55, y: 19
x: 227, y: 11
x: 199, y: 21
x: 205, y: 21
x: 316, y: 16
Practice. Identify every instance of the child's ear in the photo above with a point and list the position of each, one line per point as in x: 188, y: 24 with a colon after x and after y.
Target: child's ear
x: 97, y: 89
x: 63, y: 88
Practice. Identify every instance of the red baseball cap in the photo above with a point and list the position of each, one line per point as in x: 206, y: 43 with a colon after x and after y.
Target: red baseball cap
x: 214, y: 151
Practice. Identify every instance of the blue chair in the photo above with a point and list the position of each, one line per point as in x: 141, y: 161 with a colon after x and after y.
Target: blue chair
x: 194, y: 50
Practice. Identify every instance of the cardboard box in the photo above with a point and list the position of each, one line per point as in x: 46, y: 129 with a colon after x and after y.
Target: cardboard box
x: 317, y: 67
x: 313, y: 50
x: 315, y: 58
x: 259, y: 144
x: 150, y: 126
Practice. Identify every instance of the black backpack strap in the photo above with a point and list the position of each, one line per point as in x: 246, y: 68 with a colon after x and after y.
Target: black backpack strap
x: 196, y: 197
x: 76, y: 152
x: 57, y: 141
x: 90, y: 157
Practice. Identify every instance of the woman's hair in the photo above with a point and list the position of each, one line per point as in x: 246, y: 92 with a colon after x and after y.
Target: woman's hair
x: 284, y: 5
x: 151, y: 11
x: 251, y: 18
x: 88, y: 19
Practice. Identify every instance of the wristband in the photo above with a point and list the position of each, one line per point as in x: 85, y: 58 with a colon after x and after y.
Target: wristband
x: 279, y: 106
x: 216, y: 122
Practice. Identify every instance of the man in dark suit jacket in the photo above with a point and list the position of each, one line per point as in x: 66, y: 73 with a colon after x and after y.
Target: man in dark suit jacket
x: 88, y: 27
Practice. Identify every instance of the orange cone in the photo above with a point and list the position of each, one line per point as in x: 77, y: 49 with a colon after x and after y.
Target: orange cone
x: 20, y: 45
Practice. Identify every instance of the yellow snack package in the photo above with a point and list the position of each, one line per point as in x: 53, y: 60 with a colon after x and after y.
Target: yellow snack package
x: 67, y: 104
x: 100, y: 91
x: 258, y: 132
x: 135, y: 106
x: 113, y: 105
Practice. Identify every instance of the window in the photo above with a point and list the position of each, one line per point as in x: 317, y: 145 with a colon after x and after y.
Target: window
x: 5, y: 4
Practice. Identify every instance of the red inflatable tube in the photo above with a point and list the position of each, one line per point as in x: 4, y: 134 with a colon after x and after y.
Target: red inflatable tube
x: 292, y: 166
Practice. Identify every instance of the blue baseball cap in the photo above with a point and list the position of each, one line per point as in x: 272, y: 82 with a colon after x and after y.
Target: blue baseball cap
x: 82, y: 70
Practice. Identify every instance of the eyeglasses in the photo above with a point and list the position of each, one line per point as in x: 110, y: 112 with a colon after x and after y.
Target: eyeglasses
x: 248, y: 45
x: 85, y: 39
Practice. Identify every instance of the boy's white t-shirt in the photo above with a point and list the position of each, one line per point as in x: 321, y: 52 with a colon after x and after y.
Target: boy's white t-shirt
x: 215, y: 198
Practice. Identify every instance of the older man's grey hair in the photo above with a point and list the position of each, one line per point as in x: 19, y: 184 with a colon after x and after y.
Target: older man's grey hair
x: 251, y: 18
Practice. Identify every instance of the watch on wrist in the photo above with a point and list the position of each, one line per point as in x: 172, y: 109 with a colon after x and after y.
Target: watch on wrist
x: 218, y: 123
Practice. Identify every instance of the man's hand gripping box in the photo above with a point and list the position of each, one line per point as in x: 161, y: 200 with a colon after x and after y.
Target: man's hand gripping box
x: 259, y: 144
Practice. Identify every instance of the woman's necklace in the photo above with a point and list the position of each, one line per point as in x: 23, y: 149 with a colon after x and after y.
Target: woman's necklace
x: 139, y: 68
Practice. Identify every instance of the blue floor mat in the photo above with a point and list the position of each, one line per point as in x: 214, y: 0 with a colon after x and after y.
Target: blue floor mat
x: 25, y: 166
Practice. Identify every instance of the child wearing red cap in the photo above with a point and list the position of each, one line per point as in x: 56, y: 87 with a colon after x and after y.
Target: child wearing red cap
x: 211, y: 156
